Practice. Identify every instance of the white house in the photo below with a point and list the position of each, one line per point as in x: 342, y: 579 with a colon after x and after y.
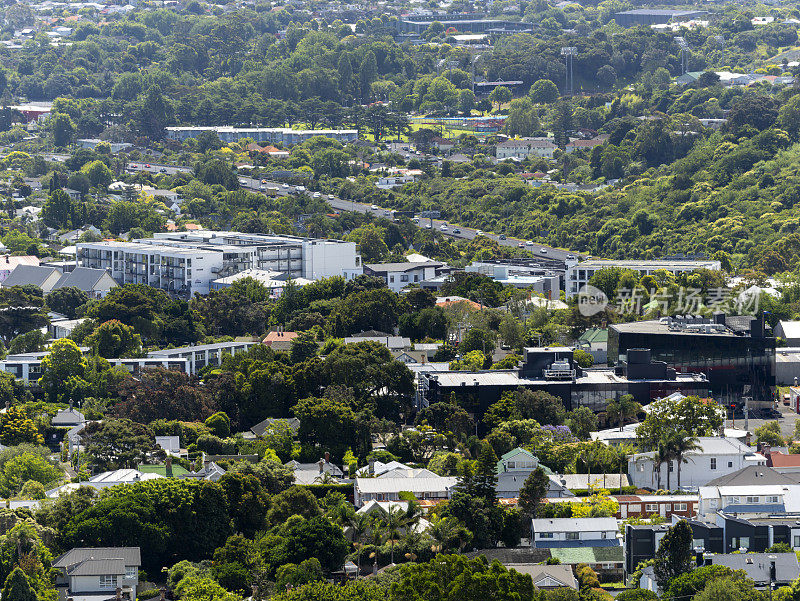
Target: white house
x: 9, y: 263
x: 789, y: 331
x: 400, y: 275
x: 716, y: 457
x: 577, y: 532
x: 389, y: 489
x: 513, y: 469
x: 95, y: 573
x: 770, y: 498
x: 104, y: 480
x: 525, y: 147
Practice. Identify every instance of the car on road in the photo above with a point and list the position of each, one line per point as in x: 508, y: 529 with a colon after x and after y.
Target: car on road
x: 543, y: 251
x: 285, y: 186
x: 162, y: 170
x: 301, y: 188
x: 242, y: 182
x: 479, y: 232
x: 443, y: 227
x: 521, y: 245
x: 317, y: 195
x: 415, y: 219
x: 374, y: 207
x: 529, y: 243
x: 456, y: 231
x: 331, y: 197
x: 428, y: 226
x: 502, y: 236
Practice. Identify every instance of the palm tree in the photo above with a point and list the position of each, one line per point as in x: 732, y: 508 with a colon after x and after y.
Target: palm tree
x: 393, y: 522
x: 360, y: 524
x: 442, y: 531
x: 622, y: 408
x: 661, y: 456
x: 682, y: 443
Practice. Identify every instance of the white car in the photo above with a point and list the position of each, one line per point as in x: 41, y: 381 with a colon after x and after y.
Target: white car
x: 317, y: 195
x: 301, y: 188
x: 543, y: 251
x: 443, y: 227
x: 529, y: 243
x: 331, y: 197
x: 285, y: 186
x: 375, y: 208
x: 479, y: 232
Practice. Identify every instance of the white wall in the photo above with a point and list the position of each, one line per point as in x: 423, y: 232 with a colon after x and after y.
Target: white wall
x: 696, y: 472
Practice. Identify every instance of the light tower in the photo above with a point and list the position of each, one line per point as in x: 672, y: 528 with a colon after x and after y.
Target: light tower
x: 684, y: 54
x: 568, y: 52
x: 719, y: 39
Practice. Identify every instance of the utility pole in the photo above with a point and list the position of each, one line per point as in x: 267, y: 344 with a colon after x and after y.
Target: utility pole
x: 684, y: 47
x: 719, y: 39
x: 568, y: 52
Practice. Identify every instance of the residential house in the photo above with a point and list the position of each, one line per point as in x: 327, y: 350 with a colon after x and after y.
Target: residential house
x: 444, y: 144
x: 715, y: 457
x: 315, y: 473
x: 523, y: 148
x: 388, y: 489
x: 202, y: 355
x: 67, y: 418
x: 400, y: 275
x: 595, y: 342
x: 96, y: 283
x: 74, y: 195
x: 392, y: 181
x: 764, y: 569
x: 752, y: 490
x: 547, y: 577
x: 574, y: 532
x: 785, y: 463
x: 382, y: 508
x: 580, y: 144
x: 280, y: 340
x: 210, y: 471
x: 513, y: 468
x: 170, y: 444
x: 95, y: 573
x: 632, y: 506
x: 9, y: 263
x: 33, y: 275
x: 63, y: 328
x: 104, y: 480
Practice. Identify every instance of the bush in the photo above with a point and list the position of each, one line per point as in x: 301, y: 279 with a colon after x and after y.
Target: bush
x: 214, y: 445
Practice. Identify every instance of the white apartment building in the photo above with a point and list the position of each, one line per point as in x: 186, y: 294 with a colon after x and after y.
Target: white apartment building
x: 401, y: 275
x: 525, y: 147
x: 574, y: 532
x: 579, y: 274
x: 186, y: 263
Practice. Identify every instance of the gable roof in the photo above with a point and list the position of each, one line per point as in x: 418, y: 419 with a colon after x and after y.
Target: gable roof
x: 790, y: 329
x: 24, y: 275
x: 131, y: 556
x: 752, y: 475
x: 574, y: 555
x: 8, y: 262
x: 778, y: 459
x: 261, y: 427
x: 67, y: 417
x: 757, y: 565
x: 539, y: 573
x: 574, y: 524
x: 82, y: 278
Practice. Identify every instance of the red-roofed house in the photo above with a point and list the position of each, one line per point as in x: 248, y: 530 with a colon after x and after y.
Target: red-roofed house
x: 781, y: 462
x: 280, y: 341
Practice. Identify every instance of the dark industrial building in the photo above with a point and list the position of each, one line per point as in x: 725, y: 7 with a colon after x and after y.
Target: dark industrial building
x: 653, y: 16
x: 735, y: 353
x: 553, y: 370
x: 727, y: 535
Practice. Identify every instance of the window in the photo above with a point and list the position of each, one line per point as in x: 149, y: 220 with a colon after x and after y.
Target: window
x: 730, y: 464
x: 796, y: 542
x: 545, y: 535
x: 713, y: 463
x: 739, y: 542
x: 130, y: 572
x: 772, y: 500
x: 604, y: 535
x: 573, y: 535
x: 108, y: 581
x: 753, y: 499
x: 680, y: 506
x: 404, y: 278
x: 651, y: 507
x: 670, y: 466
x: 734, y: 500
x: 391, y: 279
x: 634, y: 508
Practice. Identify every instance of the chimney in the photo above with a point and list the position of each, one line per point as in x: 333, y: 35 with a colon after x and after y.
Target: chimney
x: 168, y: 466
x: 766, y: 450
x: 327, y: 457
x: 371, y: 467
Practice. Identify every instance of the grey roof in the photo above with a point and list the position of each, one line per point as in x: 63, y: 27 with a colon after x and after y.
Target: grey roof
x: 261, y: 427
x: 67, y: 417
x: 753, y: 475
x: 538, y: 572
x: 83, y: 278
x: 392, y: 342
x: 24, y: 275
x: 93, y: 567
x: 132, y: 556
x: 757, y: 565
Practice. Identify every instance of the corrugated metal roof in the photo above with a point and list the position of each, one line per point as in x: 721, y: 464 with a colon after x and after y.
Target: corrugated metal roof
x: 414, y: 485
x: 130, y: 555
x: 574, y: 524
x: 93, y: 567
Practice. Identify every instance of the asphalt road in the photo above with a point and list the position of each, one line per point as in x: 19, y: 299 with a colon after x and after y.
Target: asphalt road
x: 455, y: 231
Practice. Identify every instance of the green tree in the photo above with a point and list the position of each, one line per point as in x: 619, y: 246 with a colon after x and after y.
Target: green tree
x: 194, y: 588
x: 621, y: 409
x: 154, y: 114
x: 543, y: 91
x: 582, y: 421
x: 500, y: 95
x: 680, y: 443
x: 63, y: 370
x: 58, y: 210
x: 674, y: 554
x: 21, y: 310
x: 63, y: 129
x: 484, y: 481
x: 583, y: 358
x: 17, y: 428
x: 219, y: 423
x: 66, y: 301
x: 368, y: 72
x: 770, y: 433
x: 26, y: 468
x: 533, y: 490
x: 98, y: 173
x: 17, y: 587
x: 113, y: 339
x: 292, y: 501
x: 117, y: 443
